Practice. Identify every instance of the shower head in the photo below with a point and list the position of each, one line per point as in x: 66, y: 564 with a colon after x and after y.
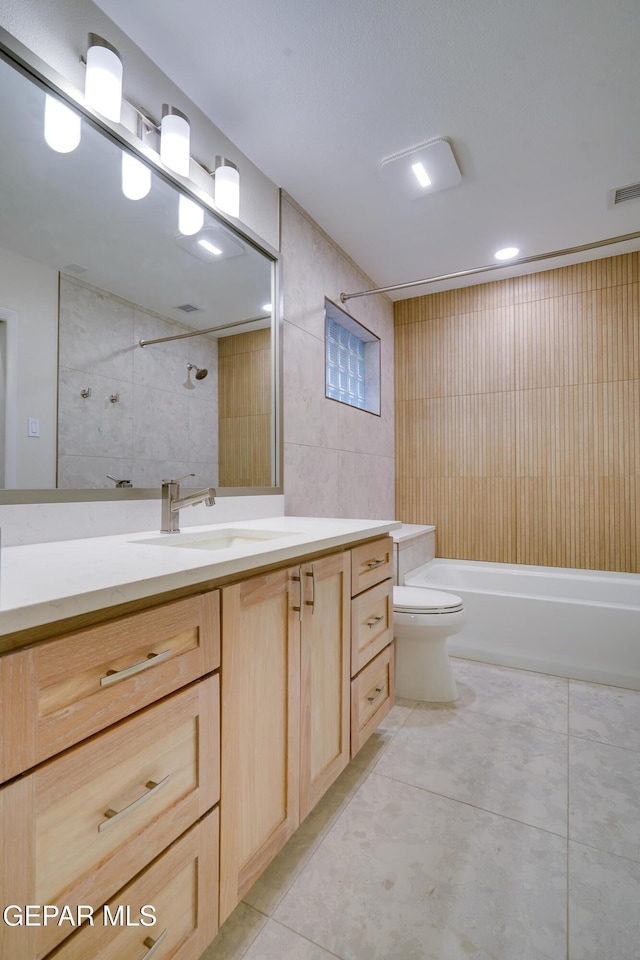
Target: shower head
x: 200, y: 374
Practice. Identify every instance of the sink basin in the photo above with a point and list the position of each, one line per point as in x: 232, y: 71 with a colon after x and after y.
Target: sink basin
x: 223, y: 539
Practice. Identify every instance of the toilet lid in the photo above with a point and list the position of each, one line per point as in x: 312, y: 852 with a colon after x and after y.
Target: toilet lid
x: 424, y: 600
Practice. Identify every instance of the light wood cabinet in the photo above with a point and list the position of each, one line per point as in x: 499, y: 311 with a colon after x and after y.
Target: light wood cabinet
x: 372, y: 664
x: 57, y: 693
x: 181, y: 886
x: 260, y: 746
x: 325, y: 659
x: 88, y: 820
x: 285, y: 710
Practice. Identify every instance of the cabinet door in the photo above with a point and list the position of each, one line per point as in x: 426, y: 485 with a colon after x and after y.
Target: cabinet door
x: 325, y: 675
x: 260, y: 727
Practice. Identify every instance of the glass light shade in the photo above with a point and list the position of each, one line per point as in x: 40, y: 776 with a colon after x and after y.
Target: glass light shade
x: 226, y: 194
x: 62, y: 125
x: 190, y: 216
x: 136, y: 177
x: 103, y: 79
x: 175, y: 143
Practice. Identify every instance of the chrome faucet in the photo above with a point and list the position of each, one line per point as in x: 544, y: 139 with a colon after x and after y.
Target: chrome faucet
x: 172, y: 502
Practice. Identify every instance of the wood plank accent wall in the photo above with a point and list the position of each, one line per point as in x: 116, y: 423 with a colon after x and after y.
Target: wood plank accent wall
x: 244, y: 409
x: 518, y: 417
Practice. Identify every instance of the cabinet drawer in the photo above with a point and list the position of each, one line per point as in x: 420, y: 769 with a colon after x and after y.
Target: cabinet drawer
x: 371, y: 563
x: 57, y: 693
x: 83, y: 824
x: 371, y: 624
x: 181, y: 886
x: 371, y: 697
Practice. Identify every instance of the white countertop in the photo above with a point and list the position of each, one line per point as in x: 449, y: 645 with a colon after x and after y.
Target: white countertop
x: 44, y: 582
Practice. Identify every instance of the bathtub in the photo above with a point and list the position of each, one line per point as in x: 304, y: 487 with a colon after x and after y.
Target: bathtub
x: 583, y: 624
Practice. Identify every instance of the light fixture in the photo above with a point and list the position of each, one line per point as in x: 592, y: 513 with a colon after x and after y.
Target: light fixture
x: 213, y: 244
x: 136, y: 177
x: 62, y: 127
x: 226, y: 195
x: 209, y: 247
x: 422, y: 176
x: 175, y: 140
x: 103, y: 78
x: 423, y: 169
x: 267, y: 307
x: 507, y: 253
x: 190, y: 216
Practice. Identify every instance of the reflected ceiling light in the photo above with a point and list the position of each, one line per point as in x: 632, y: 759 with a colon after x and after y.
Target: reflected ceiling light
x: 136, y: 177
x: 103, y: 79
x: 175, y: 140
x: 422, y: 176
x: 190, y: 216
x: 267, y: 307
x: 423, y: 169
x: 507, y: 253
x: 216, y: 251
x: 62, y: 127
x: 226, y: 187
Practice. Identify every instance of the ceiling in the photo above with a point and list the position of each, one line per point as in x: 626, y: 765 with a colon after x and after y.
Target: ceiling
x: 541, y: 101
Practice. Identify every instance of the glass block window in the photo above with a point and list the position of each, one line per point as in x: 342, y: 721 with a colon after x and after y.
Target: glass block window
x: 352, y: 361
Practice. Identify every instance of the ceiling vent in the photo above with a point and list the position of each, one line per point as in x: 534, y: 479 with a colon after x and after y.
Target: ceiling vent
x: 630, y: 192
x: 188, y: 308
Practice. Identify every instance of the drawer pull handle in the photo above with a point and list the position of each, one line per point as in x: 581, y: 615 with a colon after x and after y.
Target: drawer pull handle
x: 113, y: 816
x: 373, y: 699
x: 312, y: 603
x: 153, y: 945
x: 114, y: 676
x: 375, y: 563
x: 372, y: 623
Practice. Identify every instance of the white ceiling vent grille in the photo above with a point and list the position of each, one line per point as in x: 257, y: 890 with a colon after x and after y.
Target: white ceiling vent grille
x: 188, y: 308
x: 630, y: 192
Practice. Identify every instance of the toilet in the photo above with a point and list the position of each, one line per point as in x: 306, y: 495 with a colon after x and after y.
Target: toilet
x: 423, y: 620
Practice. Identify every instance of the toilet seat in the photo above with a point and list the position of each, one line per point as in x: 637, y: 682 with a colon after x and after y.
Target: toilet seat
x: 425, y: 600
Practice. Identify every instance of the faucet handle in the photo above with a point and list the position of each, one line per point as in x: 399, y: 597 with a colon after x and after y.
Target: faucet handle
x: 178, y: 479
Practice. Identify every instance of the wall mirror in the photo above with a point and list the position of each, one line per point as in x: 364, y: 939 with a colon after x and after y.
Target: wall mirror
x: 85, y: 274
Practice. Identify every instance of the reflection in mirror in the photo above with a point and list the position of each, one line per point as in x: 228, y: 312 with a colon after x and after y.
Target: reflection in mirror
x: 85, y: 274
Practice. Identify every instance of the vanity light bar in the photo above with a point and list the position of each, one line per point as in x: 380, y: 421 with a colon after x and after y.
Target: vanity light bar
x: 103, y: 93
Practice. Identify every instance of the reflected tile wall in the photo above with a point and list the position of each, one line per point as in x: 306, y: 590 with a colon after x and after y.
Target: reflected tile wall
x: 158, y: 428
x: 338, y: 461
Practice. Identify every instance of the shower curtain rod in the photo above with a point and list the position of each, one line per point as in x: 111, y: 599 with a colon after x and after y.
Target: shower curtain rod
x: 493, y: 266
x: 199, y: 333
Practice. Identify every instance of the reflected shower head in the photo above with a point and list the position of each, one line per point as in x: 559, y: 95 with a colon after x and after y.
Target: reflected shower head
x: 200, y: 374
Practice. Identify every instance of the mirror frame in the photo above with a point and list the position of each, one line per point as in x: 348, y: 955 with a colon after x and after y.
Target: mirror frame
x: 21, y: 58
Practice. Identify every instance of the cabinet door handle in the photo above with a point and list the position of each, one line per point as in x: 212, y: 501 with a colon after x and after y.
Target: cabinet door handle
x: 113, y: 816
x: 376, y: 695
x: 312, y: 603
x: 114, y: 676
x: 298, y: 579
x: 372, y: 623
x: 153, y: 944
x: 375, y: 563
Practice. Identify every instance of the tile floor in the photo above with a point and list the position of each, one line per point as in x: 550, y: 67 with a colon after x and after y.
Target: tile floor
x: 504, y: 827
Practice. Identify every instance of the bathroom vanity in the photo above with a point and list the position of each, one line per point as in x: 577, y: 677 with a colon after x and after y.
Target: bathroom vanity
x: 170, y: 714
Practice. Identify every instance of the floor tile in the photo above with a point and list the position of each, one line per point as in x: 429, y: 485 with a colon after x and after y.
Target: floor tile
x: 407, y: 875
x: 508, y: 768
x: 517, y: 695
x: 269, y: 889
x: 608, y: 714
x: 604, y: 899
x: 236, y: 934
x: 398, y: 715
x: 604, y: 787
x: 275, y: 942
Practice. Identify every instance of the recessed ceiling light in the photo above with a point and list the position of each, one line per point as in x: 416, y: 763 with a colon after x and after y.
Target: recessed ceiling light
x: 422, y: 176
x: 210, y: 247
x: 507, y: 253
